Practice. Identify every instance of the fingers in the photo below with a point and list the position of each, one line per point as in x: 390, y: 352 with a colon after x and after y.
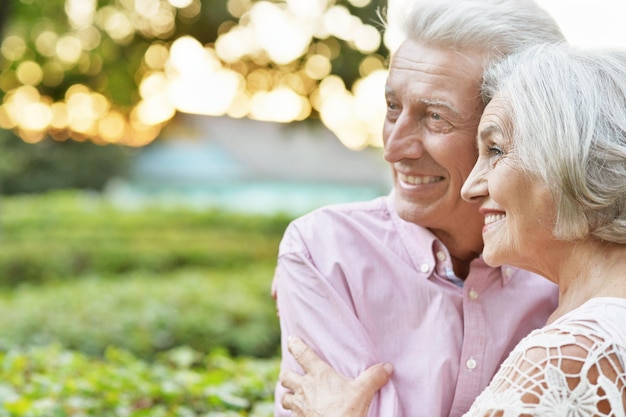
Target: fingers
x: 304, y: 355
x: 373, y: 378
x: 290, y: 402
x: 287, y: 401
x: 289, y: 380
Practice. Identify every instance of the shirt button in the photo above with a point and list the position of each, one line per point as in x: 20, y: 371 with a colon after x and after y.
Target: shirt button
x: 425, y: 268
x: 473, y: 294
x: 471, y: 364
x: 508, y: 271
x: 441, y: 256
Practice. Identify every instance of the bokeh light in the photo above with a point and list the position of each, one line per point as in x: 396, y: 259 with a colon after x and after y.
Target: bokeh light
x: 270, y: 60
x: 29, y: 73
x: 281, y: 34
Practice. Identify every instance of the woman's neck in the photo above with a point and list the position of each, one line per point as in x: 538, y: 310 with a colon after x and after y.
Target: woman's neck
x: 593, y: 269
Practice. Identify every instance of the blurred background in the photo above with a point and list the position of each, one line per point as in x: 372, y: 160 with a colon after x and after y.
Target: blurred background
x: 175, y: 99
x: 152, y: 154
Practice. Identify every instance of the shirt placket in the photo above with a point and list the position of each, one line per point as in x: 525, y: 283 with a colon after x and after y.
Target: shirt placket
x: 471, y: 366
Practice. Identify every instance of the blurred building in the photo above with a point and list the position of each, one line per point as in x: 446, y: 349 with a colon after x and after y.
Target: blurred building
x: 251, y: 166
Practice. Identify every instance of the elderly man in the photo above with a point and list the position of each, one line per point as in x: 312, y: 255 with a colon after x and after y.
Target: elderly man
x: 400, y: 279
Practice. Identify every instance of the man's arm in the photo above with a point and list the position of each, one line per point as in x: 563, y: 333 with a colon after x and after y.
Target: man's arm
x: 320, y: 310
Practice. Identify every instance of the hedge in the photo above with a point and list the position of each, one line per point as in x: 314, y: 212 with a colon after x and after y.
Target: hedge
x: 77, y: 271
x: 59, y: 236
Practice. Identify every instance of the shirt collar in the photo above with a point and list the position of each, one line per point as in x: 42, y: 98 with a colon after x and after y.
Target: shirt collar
x: 416, y: 238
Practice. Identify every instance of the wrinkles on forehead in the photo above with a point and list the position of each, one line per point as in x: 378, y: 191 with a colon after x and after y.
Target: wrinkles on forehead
x: 496, y: 120
x: 438, y: 77
x: 456, y: 73
x: 443, y: 61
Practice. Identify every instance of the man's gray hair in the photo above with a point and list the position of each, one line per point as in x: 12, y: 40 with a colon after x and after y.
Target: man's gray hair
x: 568, y: 114
x: 498, y: 27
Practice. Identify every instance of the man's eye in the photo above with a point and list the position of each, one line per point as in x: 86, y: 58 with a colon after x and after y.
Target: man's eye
x: 437, y: 123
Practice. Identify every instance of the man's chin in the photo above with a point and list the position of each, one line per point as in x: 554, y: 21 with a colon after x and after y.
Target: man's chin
x: 409, y: 211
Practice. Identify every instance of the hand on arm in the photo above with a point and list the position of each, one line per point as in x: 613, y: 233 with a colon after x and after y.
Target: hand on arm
x: 316, y: 303
x: 323, y: 392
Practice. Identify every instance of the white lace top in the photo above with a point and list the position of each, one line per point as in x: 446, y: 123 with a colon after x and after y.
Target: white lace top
x: 573, y: 367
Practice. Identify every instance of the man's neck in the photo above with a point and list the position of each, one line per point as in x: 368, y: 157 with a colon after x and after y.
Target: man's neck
x: 462, y: 251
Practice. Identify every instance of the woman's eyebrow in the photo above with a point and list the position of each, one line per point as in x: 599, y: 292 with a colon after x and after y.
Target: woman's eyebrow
x: 488, y: 130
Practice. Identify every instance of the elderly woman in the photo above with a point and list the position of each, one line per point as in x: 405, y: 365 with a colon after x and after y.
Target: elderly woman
x: 551, y: 182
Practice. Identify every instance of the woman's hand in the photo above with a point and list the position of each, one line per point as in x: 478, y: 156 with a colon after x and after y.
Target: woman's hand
x: 323, y: 392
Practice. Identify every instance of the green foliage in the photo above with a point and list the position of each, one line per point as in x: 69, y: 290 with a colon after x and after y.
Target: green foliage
x: 147, y: 314
x: 51, y: 165
x: 100, y: 67
x: 63, y: 235
x: 112, y: 50
x: 77, y: 271
x: 54, y: 382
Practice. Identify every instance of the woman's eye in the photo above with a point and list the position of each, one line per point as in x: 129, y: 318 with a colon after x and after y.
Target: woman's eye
x: 495, y: 154
x: 495, y: 151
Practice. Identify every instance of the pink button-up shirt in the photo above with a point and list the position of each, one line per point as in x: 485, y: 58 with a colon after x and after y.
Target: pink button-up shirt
x: 362, y: 286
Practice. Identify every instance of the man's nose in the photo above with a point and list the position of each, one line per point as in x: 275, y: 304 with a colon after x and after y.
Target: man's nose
x: 404, y: 140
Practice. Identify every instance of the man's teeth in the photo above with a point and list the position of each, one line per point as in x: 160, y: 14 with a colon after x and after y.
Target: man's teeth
x: 492, y: 218
x: 418, y: 180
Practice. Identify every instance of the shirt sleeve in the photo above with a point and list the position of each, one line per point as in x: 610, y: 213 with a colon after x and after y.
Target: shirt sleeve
x: 319, y: 309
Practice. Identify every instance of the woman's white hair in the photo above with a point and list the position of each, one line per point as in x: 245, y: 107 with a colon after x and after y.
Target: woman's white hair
x: 498, y: 26
x: 568, y: 114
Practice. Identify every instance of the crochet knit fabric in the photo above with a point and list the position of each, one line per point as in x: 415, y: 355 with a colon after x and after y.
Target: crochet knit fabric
x: 573, y: 367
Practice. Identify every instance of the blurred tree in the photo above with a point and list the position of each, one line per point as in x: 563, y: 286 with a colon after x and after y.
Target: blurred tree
x: 116, y: 71
x: 4, y: 12
x: 52, y: 165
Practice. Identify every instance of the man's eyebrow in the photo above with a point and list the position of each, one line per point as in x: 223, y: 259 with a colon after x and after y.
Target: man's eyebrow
x: 440, y: 103
x: 429, y: 102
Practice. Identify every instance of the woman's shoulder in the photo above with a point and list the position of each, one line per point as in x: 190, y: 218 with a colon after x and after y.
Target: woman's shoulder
x: 583, y: 333
x: 576, y: 364
x: 602, y: 316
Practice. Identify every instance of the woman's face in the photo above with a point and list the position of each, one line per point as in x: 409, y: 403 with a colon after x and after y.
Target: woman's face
x: 518, y: 207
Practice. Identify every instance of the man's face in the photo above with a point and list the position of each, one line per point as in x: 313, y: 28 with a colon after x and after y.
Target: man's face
x: 433, y: 110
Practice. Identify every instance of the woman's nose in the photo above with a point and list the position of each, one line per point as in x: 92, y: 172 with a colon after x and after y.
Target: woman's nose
x: 475, y: 186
